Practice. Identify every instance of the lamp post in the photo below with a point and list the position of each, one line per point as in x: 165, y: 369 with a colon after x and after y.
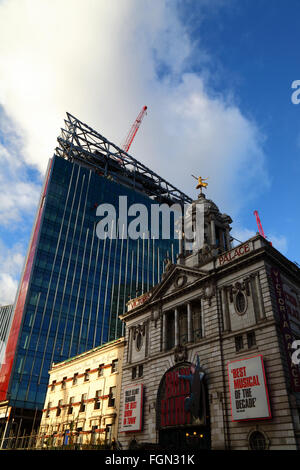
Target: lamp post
x: 7, y: 420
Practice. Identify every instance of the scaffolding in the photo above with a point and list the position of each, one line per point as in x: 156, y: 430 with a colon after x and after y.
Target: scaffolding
x: 80, y: 143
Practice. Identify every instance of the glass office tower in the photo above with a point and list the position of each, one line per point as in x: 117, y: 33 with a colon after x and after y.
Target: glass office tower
x: 74, y: 284
x: 5, y: 322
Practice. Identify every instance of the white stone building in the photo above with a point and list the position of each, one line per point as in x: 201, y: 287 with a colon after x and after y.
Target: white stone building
x: 208, y: 359
x: 83, y: 397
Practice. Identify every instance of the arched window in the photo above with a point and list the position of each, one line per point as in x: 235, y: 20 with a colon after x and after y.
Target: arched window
x: 240, y: 302
x: 257, y: 441
x: 139, y: 341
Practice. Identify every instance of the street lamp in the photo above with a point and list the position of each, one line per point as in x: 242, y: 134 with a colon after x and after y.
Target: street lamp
x: 7, y: 420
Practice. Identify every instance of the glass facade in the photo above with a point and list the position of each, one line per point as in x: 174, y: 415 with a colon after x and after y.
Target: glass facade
x: 5, y: 323
x: 76, y: 284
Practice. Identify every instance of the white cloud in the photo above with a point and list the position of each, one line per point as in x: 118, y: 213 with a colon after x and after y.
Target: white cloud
x: 11, y: 263
x: 279, y: 242
x: 8, y: 289
x: 241, y: 234
x: 18, y: 194
x: 99, y: 60
x: 102, y: 61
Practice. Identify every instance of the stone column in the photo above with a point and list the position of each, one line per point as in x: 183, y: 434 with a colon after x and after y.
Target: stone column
x: 259, y: 298
x: 189, y: 319
x: 202, y: 318
x: 164, y: 331
x: 176, y: 321
x: 213, y: 232
x: 226, y: 316
x: 227, y: 235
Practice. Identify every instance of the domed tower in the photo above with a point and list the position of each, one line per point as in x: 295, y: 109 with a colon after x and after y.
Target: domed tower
x: 205, y: 232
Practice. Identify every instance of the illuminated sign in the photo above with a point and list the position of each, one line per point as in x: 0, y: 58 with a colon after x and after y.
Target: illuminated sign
x: 181, y: 397
x: 233, y: 254
x: 132, y: 408
x: 248, y: 389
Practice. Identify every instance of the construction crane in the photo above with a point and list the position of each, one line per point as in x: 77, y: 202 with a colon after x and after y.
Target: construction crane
x: 134, y: 129
x: 260, y: 229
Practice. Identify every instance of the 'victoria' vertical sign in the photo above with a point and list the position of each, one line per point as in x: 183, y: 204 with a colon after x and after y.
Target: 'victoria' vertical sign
x: 285, y: 328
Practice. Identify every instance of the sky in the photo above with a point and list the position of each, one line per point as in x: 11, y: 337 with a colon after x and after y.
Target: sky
x: 216, y: 76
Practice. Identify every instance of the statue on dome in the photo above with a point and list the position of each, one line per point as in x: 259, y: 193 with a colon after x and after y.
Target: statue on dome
x: 201, y: 183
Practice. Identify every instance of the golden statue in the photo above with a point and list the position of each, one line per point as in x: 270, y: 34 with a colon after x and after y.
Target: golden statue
x: 201, y: 183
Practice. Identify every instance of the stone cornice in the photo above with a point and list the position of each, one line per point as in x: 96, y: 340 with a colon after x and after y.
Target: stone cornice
x: 265, y: 252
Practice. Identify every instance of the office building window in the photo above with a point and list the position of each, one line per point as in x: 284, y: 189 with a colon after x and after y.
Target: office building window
x: 79, y: 436
x: 239, y: 343
x: 48, y: 409
x: 94, y: 435
x: 114, y: 366
x: 75, y: 379
x: 70, y: 408
x: 112, y: 396
x: 100, y: 370
x: 251, y: 339
x: 141, y: 370
x: 58, y: 411
x: 53, y: 385
x: 133, y: 373
x: 82, y: 403
x: 170, y: 340
x: 97, y: 404
x: 63, y: 383
x: 87, y: 375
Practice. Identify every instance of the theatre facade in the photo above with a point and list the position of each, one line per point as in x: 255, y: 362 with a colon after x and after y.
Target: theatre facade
x: 210, y: 358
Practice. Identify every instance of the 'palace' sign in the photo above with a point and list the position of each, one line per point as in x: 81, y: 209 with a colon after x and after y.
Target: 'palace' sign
x: 233, y: 254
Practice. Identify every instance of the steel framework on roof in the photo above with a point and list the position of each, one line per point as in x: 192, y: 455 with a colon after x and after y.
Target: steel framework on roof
x: 79, y: 142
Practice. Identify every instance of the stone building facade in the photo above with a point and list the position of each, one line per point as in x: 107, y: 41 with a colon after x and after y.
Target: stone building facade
x: 211, y: 349
x: 82, y: 400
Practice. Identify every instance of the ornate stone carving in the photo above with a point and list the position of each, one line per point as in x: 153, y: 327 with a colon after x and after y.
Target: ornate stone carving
x: 155, y: 315
x: 208, y: 292
x: 205, y: 254
x: 239, y: 287
x: 168, y: 265
x: 139, y: 329
x: 180, y: 281
x: 180, y: 353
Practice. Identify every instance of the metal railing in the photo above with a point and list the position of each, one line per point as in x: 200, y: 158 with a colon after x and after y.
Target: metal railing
x: 39, y: 442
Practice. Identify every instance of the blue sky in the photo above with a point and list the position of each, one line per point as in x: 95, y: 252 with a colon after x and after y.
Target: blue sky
x: 216, y: 76
x: 255, y: 45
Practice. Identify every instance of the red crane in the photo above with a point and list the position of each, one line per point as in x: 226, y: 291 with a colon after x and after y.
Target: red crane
x: 134, y: 129
x: 260, y: 229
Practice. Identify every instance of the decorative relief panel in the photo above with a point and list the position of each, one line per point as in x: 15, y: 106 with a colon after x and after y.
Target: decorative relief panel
x: 241, y: 306
x: 139, y: 341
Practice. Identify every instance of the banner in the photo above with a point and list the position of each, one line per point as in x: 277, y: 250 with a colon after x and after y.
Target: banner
x: 285, y: 328
x: 132, y: 408
x: 248, y: 389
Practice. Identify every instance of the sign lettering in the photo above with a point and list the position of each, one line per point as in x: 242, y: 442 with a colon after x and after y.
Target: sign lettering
x: 248, y: 390
x: 235, y: 253
x: 285, y: 328
x: 132, y: 409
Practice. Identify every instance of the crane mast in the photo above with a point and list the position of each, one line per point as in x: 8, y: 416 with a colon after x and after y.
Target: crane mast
x: 260, y: 229
x: 134, y: 129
